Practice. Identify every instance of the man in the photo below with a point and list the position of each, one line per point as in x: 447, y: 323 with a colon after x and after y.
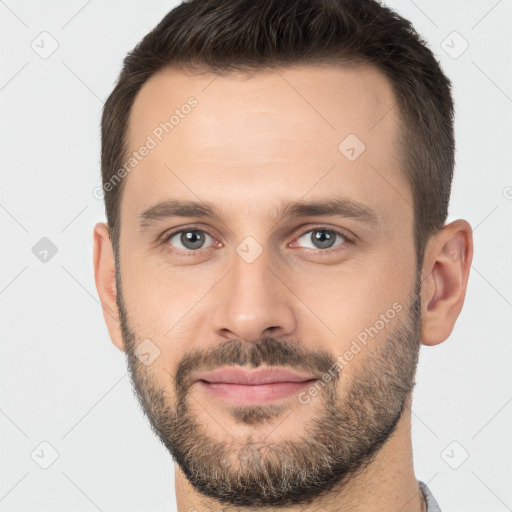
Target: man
x: 277, y: 177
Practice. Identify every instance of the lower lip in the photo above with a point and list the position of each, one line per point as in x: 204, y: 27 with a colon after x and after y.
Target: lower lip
x: 243, y: 394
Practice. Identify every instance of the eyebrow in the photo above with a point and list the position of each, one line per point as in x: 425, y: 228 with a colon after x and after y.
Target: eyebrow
x: 340, y: 207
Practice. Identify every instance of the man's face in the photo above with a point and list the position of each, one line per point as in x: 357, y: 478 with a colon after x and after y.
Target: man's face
x: 323, y: 294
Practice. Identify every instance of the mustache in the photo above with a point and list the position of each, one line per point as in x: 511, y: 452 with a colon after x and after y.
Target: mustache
x: 268, y: 351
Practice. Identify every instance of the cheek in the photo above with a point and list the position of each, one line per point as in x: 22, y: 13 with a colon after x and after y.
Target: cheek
x: 162, y: 301
x: 358, y: 296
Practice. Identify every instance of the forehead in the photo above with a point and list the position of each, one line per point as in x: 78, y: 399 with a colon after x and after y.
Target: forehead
x: 296, y: 130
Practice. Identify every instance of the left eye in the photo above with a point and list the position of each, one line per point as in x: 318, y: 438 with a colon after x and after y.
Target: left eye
x: 322, y: 238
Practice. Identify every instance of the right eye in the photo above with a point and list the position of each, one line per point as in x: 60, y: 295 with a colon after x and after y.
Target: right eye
x: 190, y: 240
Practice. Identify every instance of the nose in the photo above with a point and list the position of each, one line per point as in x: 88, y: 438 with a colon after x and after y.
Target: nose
x: 253, y: 300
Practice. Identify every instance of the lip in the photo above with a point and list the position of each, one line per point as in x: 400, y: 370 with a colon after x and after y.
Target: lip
x: 255, y: 377
x: 243, y: 387
x: 243, y: 394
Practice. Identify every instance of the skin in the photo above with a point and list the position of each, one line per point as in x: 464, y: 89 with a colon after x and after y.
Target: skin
x: 249, y: 145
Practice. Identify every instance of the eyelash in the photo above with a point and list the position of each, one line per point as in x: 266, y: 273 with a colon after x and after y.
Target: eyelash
x: 349, y: 241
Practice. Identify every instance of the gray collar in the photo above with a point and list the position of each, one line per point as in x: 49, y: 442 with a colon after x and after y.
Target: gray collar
x: 432, y: 505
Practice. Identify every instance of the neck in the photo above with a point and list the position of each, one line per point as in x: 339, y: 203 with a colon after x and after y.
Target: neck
x: 387, y: 484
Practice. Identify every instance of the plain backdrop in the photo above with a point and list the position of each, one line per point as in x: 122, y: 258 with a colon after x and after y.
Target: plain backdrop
x: 66, y: 401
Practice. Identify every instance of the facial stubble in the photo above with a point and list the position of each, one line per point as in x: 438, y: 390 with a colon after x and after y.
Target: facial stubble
x: 343, y: 438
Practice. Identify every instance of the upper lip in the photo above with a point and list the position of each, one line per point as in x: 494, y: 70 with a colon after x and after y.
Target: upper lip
x: 253, y: 377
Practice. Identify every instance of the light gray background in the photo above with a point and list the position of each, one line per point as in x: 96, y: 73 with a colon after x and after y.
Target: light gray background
x: 62, y: 380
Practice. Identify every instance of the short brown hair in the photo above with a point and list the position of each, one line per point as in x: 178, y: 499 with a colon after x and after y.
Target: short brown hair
x: 222, y: 36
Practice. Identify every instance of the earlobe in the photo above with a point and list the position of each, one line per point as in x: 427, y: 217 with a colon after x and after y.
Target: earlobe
x: 447, y: 264
x: 105, y: 278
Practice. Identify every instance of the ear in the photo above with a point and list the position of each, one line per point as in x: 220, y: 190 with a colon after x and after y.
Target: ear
x: 445, y: 276
x: 105, y: 277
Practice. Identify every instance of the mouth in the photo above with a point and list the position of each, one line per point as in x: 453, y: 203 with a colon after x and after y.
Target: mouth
x: 240, y: 386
